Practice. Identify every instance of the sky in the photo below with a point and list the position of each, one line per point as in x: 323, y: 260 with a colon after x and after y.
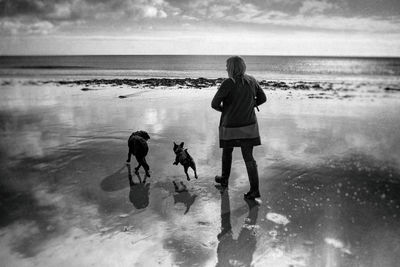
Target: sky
x: 222, y: 27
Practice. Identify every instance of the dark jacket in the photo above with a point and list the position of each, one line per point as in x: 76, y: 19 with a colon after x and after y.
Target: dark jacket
x: 236, y: 101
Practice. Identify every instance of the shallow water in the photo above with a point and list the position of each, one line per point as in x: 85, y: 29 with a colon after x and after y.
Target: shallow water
x: 328, y: 171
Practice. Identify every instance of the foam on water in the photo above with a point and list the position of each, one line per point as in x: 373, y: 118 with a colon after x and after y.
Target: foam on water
x: 337, y: 244
x: 277, y: 218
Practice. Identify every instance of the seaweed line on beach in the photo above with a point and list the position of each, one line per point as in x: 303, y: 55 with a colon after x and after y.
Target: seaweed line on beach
x: 151, y: 82
x: 200, y: 83
x: 312, y: 89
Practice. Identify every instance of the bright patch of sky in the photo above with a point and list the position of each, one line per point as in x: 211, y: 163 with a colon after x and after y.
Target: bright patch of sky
x: 257, y: 27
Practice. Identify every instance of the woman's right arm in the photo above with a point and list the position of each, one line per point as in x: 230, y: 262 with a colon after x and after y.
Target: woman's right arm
x: 219, y: 97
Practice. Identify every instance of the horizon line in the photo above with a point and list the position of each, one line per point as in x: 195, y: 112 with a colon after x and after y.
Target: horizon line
x: 244, y: 55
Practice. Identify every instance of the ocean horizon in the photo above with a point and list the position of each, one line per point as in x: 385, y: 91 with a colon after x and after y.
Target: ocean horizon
x: 208, y: 66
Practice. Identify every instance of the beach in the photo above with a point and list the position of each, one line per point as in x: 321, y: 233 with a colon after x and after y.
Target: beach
x: 328, y: 167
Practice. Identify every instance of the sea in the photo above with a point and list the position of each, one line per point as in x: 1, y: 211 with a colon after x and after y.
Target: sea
x: 297, y: 68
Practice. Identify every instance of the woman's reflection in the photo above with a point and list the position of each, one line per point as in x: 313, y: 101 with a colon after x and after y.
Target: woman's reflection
x: 139, y: 193
x: 237, y: 252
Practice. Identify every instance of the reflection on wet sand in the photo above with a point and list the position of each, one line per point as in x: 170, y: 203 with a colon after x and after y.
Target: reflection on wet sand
x: 329, y: 178
x: 139, y: 192
x: 239, y: 251
x: 116, y: 181
x: 343, y: 212
x: 183, y: 195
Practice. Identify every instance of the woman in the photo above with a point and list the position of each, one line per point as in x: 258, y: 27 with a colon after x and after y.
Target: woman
x: 236, y: 99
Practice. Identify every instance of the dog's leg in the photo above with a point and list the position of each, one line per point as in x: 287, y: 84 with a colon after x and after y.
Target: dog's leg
x: 176, y: 160
x: 146, y: 167
x: 142, y: 162
x: 137, y: 169
x: 193, y: 166
x: 129, y: 157
x: 186, y: 172
x: 138, y: 166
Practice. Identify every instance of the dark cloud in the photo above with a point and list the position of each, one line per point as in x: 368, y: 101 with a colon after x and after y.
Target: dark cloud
x: 49, y: 16
x: 373, y: 7
x: 58, y: 9
x: 11, y: 8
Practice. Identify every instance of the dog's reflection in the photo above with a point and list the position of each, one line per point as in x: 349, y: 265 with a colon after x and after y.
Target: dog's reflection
x: 236, y: 252
x: 182, y: 195
x: 139, y: 193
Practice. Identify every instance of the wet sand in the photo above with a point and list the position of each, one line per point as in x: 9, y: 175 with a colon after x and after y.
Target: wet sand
x: 328, y: 167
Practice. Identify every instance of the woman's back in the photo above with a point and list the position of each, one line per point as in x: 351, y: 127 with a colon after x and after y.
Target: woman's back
x: 238, y: 98
x: 239, y: 104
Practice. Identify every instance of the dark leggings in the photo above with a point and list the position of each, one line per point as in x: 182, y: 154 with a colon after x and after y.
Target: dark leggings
x: 247, y: 153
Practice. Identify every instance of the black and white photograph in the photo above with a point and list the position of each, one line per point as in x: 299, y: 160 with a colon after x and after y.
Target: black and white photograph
x: 200, y: 133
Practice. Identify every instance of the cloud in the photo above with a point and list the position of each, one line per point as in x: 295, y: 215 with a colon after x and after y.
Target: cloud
x: 152, y: 12
x: 317, y: 15
x: 218, y: 11
x: 21, y: 7
x: 83, y: 9
x: 61, y: 11
x: 316, y: 7
x: 320, y: 22
x: 15, y: 26
x: 149, y: 18
x: 204, y: 9
x: 49, y: 14
x: 310, y: 16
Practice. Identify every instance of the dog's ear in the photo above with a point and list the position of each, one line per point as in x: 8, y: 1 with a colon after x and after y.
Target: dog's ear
x: 175, y: 145
x: 181, y: 145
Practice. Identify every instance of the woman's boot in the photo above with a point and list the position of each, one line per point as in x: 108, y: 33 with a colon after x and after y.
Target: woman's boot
x: 226, y: 170
x: 252, y: 172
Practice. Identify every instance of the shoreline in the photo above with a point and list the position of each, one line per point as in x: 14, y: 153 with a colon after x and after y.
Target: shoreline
x: 310, y: 89
x: 204, y: 83
x: 199, y: 83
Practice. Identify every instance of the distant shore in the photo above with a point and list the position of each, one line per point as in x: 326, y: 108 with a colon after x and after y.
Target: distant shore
x: 322, y: 90
x: 310, y: 89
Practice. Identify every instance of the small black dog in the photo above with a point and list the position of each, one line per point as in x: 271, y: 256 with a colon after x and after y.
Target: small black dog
x: 183, y: 157
x: 137, y: 144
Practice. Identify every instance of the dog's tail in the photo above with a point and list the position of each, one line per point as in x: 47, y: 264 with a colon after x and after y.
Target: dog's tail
x: 130, y: 137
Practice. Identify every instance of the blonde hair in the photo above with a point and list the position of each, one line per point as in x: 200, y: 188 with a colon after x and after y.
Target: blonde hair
x: 236, y: 67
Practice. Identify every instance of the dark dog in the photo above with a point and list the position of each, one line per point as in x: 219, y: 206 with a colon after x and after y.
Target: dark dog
x: 137, y: 144
x: 183, y: 157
